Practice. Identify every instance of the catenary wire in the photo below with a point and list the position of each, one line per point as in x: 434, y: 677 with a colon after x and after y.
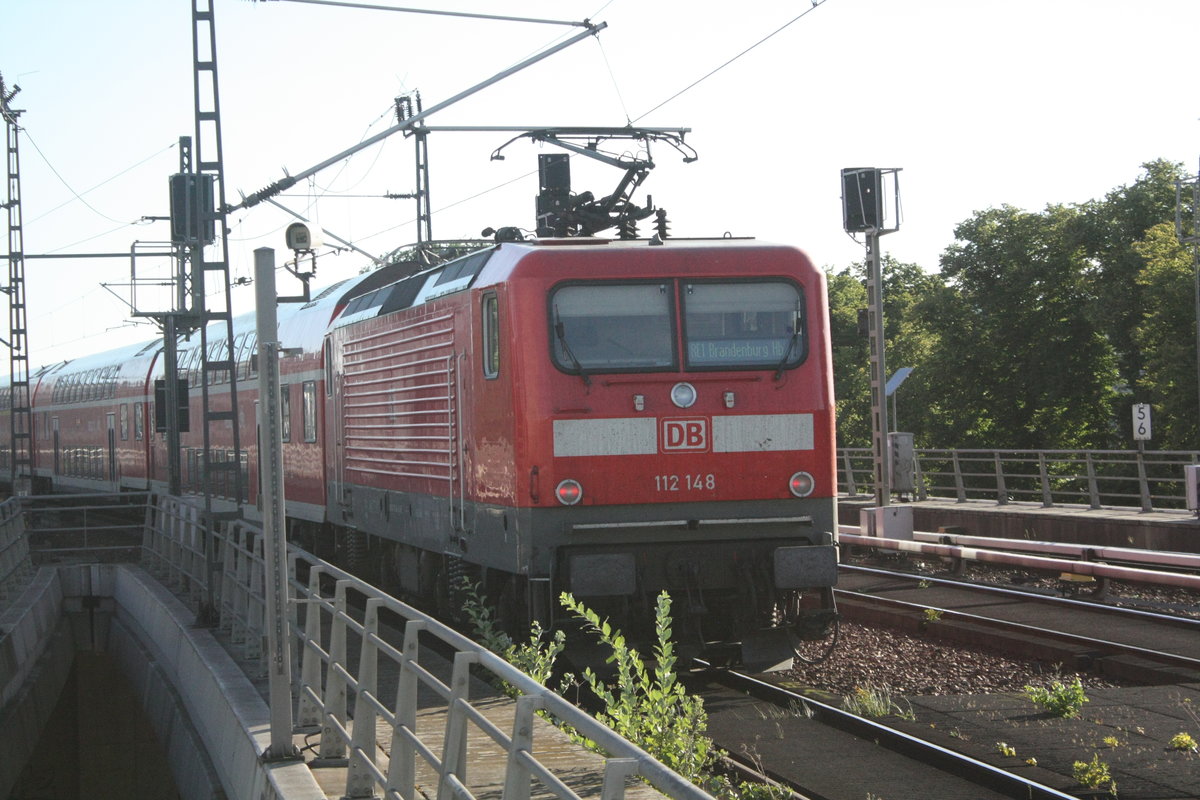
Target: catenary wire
x: 71, y: 189
x: 110, y: 179
x: 701, y: 79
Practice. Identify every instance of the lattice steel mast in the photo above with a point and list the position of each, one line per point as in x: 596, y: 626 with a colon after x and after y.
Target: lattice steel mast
x: 217, y: 357
x: 21, y: 411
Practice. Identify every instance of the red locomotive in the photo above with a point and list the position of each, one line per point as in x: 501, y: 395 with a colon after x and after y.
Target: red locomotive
x: 605, y: 417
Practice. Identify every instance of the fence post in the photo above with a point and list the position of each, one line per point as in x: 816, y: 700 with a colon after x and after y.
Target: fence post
x: 1143, y: 483
x: 454, y: 747
x: 360, y: 782
x: 402, y: 770
x: 919, y: 477
x: 616, y: 771
x: 1093, y: 489
x: 310, y: 659
x: 332, y: 745
x: 851, y: 486
x: 1001, y: 488
x: 960, y: 492
x: 1047, y: 500
x: 516, y: 776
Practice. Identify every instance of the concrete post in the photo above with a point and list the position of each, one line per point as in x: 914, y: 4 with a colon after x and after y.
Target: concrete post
x: 270, y: 465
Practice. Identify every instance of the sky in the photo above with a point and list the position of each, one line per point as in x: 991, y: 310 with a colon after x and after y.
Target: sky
x: 977, y: 104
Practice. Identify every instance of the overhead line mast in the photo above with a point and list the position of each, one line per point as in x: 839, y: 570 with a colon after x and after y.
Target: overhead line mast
x: 20, y: 406
x: 207, y: 214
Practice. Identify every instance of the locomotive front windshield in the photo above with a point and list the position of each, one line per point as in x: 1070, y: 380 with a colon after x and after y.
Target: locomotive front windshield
x: 613, y: 327
x: 743, y: 324
x: 630, y: 327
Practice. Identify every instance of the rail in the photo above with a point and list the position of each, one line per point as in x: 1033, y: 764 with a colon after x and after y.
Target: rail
x: 339, y: 630
x: 1146, y: 479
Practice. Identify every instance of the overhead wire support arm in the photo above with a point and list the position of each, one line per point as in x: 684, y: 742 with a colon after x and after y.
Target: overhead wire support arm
x: 413, y: 121
x: 439, y: 13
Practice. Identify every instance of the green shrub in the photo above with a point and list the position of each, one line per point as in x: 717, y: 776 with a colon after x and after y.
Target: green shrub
x: 1094, y: 774
x: 535, y: 658
x: 650, y: 709
x: 1183, y: 741
x: 1059, y: 699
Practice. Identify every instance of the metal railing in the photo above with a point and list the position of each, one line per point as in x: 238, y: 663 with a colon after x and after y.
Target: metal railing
x: 361, y: 649
x: 15, y: 565
x: 94, y: 527
x: 1148, y: 480
x: 47, y: 529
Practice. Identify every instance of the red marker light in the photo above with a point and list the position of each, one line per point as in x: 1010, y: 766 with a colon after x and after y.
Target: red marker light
x: 569, y: 492
x: 802, y: 484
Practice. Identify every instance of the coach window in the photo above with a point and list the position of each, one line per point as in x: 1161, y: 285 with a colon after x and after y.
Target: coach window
x: 124, y: 422
x: 285, y: 410
x: 139, y: 421
x: 491, y: 336
x: 310, y: 411
x: 608, y: 327
x: 743, y: 325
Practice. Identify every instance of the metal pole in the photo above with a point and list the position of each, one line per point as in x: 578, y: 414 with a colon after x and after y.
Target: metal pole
x: 879, y: 421
x: 1196, y: 302
x: 171, y: 398
x: 279, y: 661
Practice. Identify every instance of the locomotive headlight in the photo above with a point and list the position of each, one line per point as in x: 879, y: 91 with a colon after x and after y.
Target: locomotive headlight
x: 683, y: 395
x: 568, y: 492
x: 802, y: 484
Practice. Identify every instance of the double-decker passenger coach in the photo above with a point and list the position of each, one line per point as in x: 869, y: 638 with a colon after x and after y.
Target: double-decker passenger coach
x: 609, y: 418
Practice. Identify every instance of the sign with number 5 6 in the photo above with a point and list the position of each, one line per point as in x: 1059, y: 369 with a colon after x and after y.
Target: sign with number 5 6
x: 1141, y: 422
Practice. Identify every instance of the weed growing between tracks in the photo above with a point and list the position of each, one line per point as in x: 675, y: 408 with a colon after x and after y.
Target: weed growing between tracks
x: 1060, y: 699
x: 649, y: 707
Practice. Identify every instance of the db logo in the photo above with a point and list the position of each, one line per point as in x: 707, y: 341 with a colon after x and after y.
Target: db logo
x: 687, y: 433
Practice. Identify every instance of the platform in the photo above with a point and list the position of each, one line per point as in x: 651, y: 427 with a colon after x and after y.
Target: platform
x: 1177, y: 531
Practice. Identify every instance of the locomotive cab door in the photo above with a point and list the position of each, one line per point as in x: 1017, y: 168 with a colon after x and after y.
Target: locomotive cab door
x: 335, y: 429
x: 112, y: 447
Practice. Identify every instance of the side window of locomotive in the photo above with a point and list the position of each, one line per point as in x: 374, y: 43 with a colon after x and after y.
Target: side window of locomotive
x: 329, y: 368
x: 744, y: 325
x: 310, y: 411
x: 491, y: 336
x: 285, y: 410
x: 612, y: 327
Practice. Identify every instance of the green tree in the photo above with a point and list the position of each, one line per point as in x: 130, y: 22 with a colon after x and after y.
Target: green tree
x: 908, y: 342
x: 1025, y: 366
x: 1165, y: 336
x: 1111, y: 230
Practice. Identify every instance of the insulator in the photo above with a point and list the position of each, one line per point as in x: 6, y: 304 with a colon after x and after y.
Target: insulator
x: 660, y: 224
x: 627, y: 229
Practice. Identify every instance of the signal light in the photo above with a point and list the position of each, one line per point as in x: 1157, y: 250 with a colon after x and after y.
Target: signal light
x: 802, y: 484
x: 568, y: 492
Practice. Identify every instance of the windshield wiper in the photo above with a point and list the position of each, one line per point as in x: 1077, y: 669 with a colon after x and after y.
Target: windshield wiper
x: 791, y: 345
x: 560, y: 331
x: 787, y: 354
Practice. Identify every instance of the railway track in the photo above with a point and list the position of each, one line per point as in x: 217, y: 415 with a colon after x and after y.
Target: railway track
x: 978, y: 746
x: 1122, y: 643
x: 821, y: 752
